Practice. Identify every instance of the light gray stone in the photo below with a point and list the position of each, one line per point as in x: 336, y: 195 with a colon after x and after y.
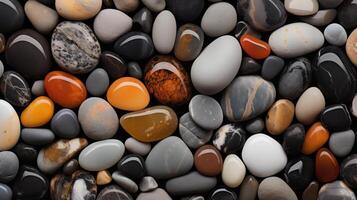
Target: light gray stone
x: 158, y: 194
x: 148, y: 184
x: 43, y: 18
x: 274, y: 188
x: 5, y: 192
x: 341, y: 143
x: 335, y: 34
x: 97, y: 82
x: 9, y: 165
x: 37, y: 136
x: 137, y: 147
x: 164, y: 41
x: 321, y: 18
x: 125, y: 182
x: 38, y: 88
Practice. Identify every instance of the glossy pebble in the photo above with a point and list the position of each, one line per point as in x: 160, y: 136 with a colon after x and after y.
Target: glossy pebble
x: 12, y: 16
x: 132, y: 166
x: 341, y: 143
x: 348, y: 170
x: 321, y: 18
x: 233, y: 171
x: 97, y: 82
x: 208, y: 160
x: 5, y: 192
x: 326, y: 166
x: 293, y: 139
x: 143, y: 20
x: 189, y: 42
x: 316, y: 136
x: 229, y: 138
x: 78, y: 10
x: 254, y: 47
x: 38, y: 113
x: 335, y: 34
x: 336, y: 190
x: 103, y: 178
x: 134, y: 70
x: 9, y: 164
x: 279, y: 116
x: 125, y: 182
x: 38, y: 88
x: 65, y: 124
x: 248, y: 188
x: 15, y: 89
x: 186, y: 10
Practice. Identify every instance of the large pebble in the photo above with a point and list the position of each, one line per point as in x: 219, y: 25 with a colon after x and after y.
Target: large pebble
x: 12, y: 16
x: 233, y: 171
x: 230, y: 138
x: 137, y: 147
x: 37, y: 136
x: 351, y: 47
x: 301, y: 8
x: 95, y: 156
x: 225, y: 52
x: 164, y: 40
x: 134, y: 46
x: 252, y: 95
x: 341, y: 143
x: 336, y: 190
x: 65, y: 124
x: 189, y: 42
x: 347, y: 13
x: 43, y: 18
x: 9, y: 165
x: 309, y: 105
x: 169, y: 158
x: 110, y: 24
x: 74, y: 47
x: 335, y: 34
x: 263, y: 156
x: 77, y: 9
x: 273, y: 188
x: 98, y: 118
x: 154, y: 195
x: 15, y: 89
x: 214, y: 16
x: 279, y: 116
x: 295, y: 40
x: 9, y: 126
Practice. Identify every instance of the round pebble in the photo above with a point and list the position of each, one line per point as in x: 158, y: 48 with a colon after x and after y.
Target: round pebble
x: 125, y: 182
x: 9, y: 165
x: 137, y: 147
x: 78, y: 10
x: 37, y: 136
x: 335, y: 34
x: 65, y: 124
x: 164, y: 40
x: 43, y: 18
x: 5, y: 192
x: 233, y: 171
x: 38, y: 88
x: 9, y: 126
x: 97, y: 82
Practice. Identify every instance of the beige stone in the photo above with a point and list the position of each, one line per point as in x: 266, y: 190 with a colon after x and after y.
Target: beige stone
x: 9, y: 126
x: 103, y: 178
x: 351, y: 47
x: 309, y: 105
x: 43, y: 18
x: 78, y: 9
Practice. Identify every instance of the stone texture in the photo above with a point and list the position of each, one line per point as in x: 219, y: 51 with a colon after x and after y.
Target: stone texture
x: 336, y: 190
x: 279, y: 116
x: 137, y: 147
x: 11, y: 11
x: 230, y: 138
x: 335, y: 34
x: 326, y: 166
x: 321, y: 18
x: 113, y: 192
x: 301, y: 8
x: 164, y: 41
x: 248, y: 188
x: 15, y: 89
x: 125, y: 182
x: 275, y: 188
x: 233, y: 171
x: 37, y: 136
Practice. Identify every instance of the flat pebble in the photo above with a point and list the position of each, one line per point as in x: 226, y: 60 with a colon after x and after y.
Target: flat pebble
x: 38, y: 88
x: 97, y: 82
x: 65, y: 124
x: 43, y: 18
x: 154, y: 195
x: 37, y: 136
x: 275, y: 188
x: 341, y: 143
x: 9, y: 126
x: 148, y: 184
x: 137, y: 147
x: 335, y: 34
x: 5, y: 192
x: 230, y: 138
x: 321, y: 18
x: 272, y: 66
x: 9, y: 165
x: 125, y: 182
x: 164, y: 41
x: 233, y: 171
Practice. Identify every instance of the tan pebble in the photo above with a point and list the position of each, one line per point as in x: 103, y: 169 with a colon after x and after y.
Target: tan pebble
x: 43, y: 18
x: 309, y: 105
x: 351, y: 47
x: 103, y: 177
x: 126, y: 5
x: 280, y: 116
x: 78, y: 9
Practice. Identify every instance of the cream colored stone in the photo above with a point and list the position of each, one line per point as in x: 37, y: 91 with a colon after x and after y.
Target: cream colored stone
x: 9, y: 126
x: 309, y: 105
x: 301, y: 7
x: 233, y: 171
x: 43, y: 18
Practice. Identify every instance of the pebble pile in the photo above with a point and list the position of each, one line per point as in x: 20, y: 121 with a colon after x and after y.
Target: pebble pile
x: 178, y: 99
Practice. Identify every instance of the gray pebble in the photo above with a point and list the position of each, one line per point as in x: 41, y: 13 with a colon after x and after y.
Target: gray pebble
x: 5, y: 192
x: 37, y: 136
x: 65, y: 124
x: 330, y: 3
x: 70, y: 167
x: 336, y: 190
x: 193, y: 135
x: 272, y: 66
x: 113, y: 192
x: 321, y: 18
x: 1, y: 68
x: 272, y: 188
x: 97, y: 82
x: 148, y: 184
x: 341, y: 143
x: 125, y: 182
x: 335, y: 34
x: 143, y: 20
x: 137, y: 147
x: 38, y: 88
x: 158, y: 194
x: 193, y: 198
x: 191, y: 183
x: 249, y: 66
x: 9, y: 165
x: 206, y: 112
x: 255, y: 126
x: 134, y: 70
x: 155, y: 5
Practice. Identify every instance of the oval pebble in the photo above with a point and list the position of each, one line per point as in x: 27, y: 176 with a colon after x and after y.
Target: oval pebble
x: 233, y: 171
x: 43, y: 18
x: 65, y: 124
x: 113, y: 191
x: 97, y: 82
x: 9, y: 165
x: 37, y: 136
x: 5, y: 192
x: 335, y: 34
x: 154, y: 5
x: 38, y: 88
x: 12, y: 16
x: 164, y: 40
x: 137, y: 147
x: 230, y: 138
x: 156, y: 194
x: 125, y: 182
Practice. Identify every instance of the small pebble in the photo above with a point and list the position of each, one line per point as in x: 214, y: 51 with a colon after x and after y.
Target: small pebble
x: 125, y: 182
x: 272, y: 66
x: 5, y: 192
x: 335, y: 34
x: 154, y: 5
x: 103, y: 178
x: 97, y: 82
x: 9, y: 166
x: 38, y: 88
x: 65, y: 124
x: 137, y: 147
x: 341, y: 143
x: 135, y: 70
x: 148, y: 184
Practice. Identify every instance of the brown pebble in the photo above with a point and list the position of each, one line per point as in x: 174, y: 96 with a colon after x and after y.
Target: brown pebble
x: 208, y: 160
x: 103, y: 178
x: 311, y: 192
x: 126, y: 5
x: 280, y: 116
x: 351, y: 47
x: 248, y: 188
x: 2, y: 43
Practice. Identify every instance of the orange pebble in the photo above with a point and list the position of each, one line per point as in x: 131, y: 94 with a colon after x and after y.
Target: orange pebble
x: 315, y: 138
x: 38, y: 113
x: 254, y: 47
x: 129, y: 94
x: 326, y: 166
x: 65, y: 89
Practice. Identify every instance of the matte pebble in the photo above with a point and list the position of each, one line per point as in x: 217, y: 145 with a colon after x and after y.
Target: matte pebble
x: 248, y: 188
x: 341, y: 143
x: 1, y: 67
x: 154, y: 195
x: 273, y: 188
x: 12, y: 16
x: 147, y: 184
x: 335, y: 34
x: 222, y: 193
x: 336, y: 190
x: 321, y: 18
x: 103, y: 178
x: 38, y: 88
x: 97, y: 82
x: 164, y: 41
x: 272, y: 66
x: 5, y: 192
x: 9, y: 165
x: 154, y: 5
x: 43, y: 18
x: 311, y: 192
x: 113, y: 192
x: 301, y: 8
x: 137, y: 147
x: 126, y: 5
x: 78, y: 10
x: 37, y: 136
x: 255, y: 126
x: 125, y: 182
x: 65, y: 124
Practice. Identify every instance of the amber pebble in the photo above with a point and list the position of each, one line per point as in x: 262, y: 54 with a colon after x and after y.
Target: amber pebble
x: 208, y: 161
x: 38, y: 113
x: 311, y: 192
x: 254, y: 47
x: 315, y: 138
x: 128, y: 93
x: 156, y: 123
x: 103, y: 178
x: 189, y: 42
x: 280, y: 116
x: 65, y: 89
x: 326, y: 166
x: 167, y: 80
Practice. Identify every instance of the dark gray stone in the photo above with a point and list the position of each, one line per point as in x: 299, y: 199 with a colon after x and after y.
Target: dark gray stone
x: 272, y: 66
x: 249, y: 66
x: 5, y: 192
x: 70, y: 167
x: 97, y: 82
x: 348, y: 171
x: 143, y: 20
x: 336, y: 190
x: 147, y: 184
x: 255, y: 126
x: 37, y: 136
x: 135, y: 70
x: 65, y: 124
x: 9, y: 165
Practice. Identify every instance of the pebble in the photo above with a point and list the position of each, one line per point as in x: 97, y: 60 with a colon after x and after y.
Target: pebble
x: 128, y: 93
x: 209, y: 79
x: 167, y: 80
x: 295, y: 40
x: 83, y: 186
x: 208, y: 161
x: 222, y: 193
x: 192, y: 134
x: 252, y: 93
x: 154, y: 195
x: 255, y: 126
x: 11, y: 11
x: 293, y: 139
x: 77, y: 9
x: 233, y: 171
x: 195, y: 197
x: 272, y: 66
x: 125, y: 182
x: 98, y: 119
x: 213, y: 17
x: 335, y: 34
x: 28, y: 53
x: 58, y: 153
x: 295, y: 78
x: 336, y: 190
x: 249, y: 66
x: 189, y: 42
x: 132, y: 166
x: 155, y: 5
x: 301, y: 8
x: 248, y: 188
x: 25, y: 153
x: 191, y: 183
x: 103, y: 178
x: 164, y: 41
x: 353, y: 107
x: 348, y: 170
x: 38, y: 88
x: 148, y: 184
x: 334, y: 75
x: 30, y: 184
x: 2, y: 44
x: 37, y: 136
x: 309, y: 105
x: 95, y: 156
x: 186, y: 10
x: 280, y: 116
x: 230, y: 138
x: 113, y: 192
x: 321, y: 18
x: 110, y: 24
x: 316, y: 136
x: 9, y: 126
x: 254, y: 47
x: 263, y: 156
x: 299, y: 173
x: 275, y: 188
x: 74, y: 47
x: 65, y: 124
x: 330, y: 3
x: 134, y: 70
x: 5, y: 192
x: 134, y: 46
x: 326, y: 166
x: 9, y: 165
x: 242, y: 28
x: 311, y: 192
x: 1, y: 64
x: 169, y: 158
x: 38, y: 113
x: 143, y: 20
x: 126, y: 5
x: 70, y: 167
x: 113, y: 64
x: 137, y: 147
x: 351, y: 47
x: 346, y: 13
x: 156, y: 123
x: 43, y: 18
x: 262, y: 15
x: 336, y: 118
x: 15, y: 89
